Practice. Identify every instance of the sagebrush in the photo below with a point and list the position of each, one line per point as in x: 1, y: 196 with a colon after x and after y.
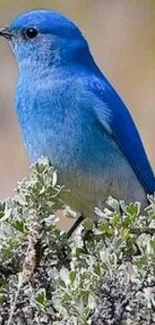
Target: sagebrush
x: 103, y: 275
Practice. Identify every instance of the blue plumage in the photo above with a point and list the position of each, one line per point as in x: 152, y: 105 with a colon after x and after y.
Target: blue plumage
x: 70, y: 113
x: 124, y: 133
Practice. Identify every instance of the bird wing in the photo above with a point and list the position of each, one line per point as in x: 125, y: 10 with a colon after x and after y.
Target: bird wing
x: 116, y: 119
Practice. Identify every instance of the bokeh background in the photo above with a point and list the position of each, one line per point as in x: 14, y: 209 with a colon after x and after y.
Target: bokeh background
x: 121, y: 34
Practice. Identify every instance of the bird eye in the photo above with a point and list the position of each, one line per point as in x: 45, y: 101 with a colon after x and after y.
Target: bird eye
x: 31, y: 33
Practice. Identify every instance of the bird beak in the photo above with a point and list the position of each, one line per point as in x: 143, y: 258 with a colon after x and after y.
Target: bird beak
x: 4, y: 31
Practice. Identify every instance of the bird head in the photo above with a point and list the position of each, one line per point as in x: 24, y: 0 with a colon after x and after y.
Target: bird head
x: 45, y: 37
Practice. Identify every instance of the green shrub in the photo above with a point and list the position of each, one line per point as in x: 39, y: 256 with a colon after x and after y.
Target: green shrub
x: 104, y: 275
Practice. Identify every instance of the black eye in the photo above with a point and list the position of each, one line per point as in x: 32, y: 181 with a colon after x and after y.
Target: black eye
x: 31, y: 33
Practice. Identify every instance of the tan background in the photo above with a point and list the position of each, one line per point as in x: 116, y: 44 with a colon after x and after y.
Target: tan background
x: 121, y: 34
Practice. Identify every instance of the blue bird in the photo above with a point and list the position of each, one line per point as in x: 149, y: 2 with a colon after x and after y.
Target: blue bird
x: 69, y: 112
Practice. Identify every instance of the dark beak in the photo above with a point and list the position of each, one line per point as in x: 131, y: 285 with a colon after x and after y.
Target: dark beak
x: 4, y: 31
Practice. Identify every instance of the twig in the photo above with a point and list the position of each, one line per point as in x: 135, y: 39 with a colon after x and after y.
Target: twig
x: 20, y: 282
x: 29, y: 266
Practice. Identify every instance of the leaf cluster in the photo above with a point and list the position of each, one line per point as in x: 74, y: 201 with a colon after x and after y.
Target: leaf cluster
x: 103, y: 275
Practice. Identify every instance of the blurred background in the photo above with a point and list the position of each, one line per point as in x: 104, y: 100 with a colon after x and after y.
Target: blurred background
x: 121, y: 34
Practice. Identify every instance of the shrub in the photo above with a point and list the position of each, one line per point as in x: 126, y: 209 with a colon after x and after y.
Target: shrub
x: 103, y: 275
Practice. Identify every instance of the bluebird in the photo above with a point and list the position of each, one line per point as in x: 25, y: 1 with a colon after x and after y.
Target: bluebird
x: 69, y: 112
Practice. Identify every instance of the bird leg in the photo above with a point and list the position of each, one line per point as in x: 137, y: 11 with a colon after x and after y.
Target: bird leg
x: 75, y: 226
